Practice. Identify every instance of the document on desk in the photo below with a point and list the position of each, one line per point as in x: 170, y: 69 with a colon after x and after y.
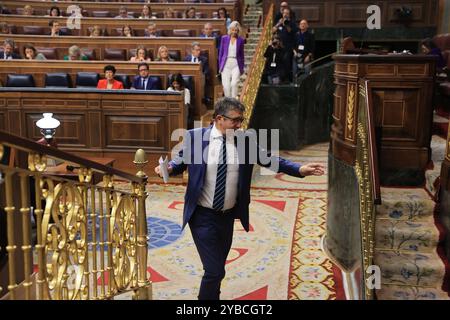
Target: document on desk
x: 163, y: 166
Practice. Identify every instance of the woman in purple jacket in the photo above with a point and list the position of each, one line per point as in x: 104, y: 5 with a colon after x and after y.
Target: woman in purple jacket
x: 231, y: 59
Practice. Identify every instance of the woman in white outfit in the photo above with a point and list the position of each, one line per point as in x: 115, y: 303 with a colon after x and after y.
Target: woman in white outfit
x: 231, y: 60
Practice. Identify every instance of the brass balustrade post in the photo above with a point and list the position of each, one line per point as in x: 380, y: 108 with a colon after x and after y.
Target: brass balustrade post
x: 11, y: 247
x: 26, y: 233
x: 144, y: 291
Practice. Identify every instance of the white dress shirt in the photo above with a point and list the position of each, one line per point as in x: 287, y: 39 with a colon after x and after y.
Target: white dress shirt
x: 232, y: 49
x: 195, y: 59
x: 207, y: 195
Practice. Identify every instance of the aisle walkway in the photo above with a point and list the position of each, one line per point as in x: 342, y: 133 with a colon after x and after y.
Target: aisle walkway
x: 280, y: 258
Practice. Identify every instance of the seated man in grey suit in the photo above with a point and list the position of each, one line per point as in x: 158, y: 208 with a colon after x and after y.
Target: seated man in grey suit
x: 8, y: 50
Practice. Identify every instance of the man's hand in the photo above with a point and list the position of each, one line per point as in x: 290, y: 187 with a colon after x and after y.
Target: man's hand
x: 158, y: 170
x: 312, y: 169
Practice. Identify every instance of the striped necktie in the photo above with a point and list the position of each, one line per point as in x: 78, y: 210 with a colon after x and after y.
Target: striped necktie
x: 221, y: 178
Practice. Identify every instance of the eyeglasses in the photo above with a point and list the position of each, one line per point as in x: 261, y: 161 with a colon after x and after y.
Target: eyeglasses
x: 234, y: 120
x: 140, y: 70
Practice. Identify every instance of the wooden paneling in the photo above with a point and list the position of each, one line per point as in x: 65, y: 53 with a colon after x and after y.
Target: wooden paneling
x: 103, y: 130
x: 39, y: 68
x: 401, y: 90
x: 42, y: 7
x: 352, y: 13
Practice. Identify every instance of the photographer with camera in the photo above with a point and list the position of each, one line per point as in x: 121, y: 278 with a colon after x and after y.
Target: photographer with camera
x: 275, y: 68
x: 286, y: 29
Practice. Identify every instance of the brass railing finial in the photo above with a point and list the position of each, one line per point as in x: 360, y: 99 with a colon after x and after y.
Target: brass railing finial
x: 140, y: 161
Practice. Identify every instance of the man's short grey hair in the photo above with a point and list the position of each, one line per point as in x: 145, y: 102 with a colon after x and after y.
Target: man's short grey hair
x: 234, y: 24
x: 10, y: 42
x: 226, y: 104
x: 195, y: 43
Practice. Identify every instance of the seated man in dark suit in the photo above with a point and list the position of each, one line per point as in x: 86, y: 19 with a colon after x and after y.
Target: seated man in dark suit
x: 55, y: 29
x: 8, y: 50
x: 196, y: 57
x: 143, y: 81
x: 208, y: 33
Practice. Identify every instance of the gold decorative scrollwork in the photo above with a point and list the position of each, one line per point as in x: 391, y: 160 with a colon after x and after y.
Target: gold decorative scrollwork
x: 2, y: 150
x: 366, y: 201
x: 124, y: 240
x: 350, y: 110
x: 251, y: 85
x: 108, y: 181
x: 37, y: 162
x: 64, y: 227
x: 85, y: 175
x: 448, y: 144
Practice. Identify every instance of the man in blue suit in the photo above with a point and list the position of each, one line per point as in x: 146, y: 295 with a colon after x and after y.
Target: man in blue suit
x: 143, y: 81
x: 220, y: 160
x: 196, y: 57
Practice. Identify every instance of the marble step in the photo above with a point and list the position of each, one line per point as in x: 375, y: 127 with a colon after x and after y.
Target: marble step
x: 413, y: 269
x: 414, y: 236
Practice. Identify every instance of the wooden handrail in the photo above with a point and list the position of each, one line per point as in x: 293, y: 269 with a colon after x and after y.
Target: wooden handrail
x: 29, y: 145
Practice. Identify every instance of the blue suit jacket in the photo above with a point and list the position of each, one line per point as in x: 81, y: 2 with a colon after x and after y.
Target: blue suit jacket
x: 196, y: 166
x: 153, y: 83
x: 204, y: 61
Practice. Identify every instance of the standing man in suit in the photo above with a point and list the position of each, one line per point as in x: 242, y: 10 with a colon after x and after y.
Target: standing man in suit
x: 304, y: 47
x: 8, y: 50
x: 220, y: 161
x: 143, y: 81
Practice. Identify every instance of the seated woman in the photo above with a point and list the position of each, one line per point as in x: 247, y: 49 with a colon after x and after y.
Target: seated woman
x: 96, y: 31
x: 54, y: 12
x: 109, y: 82
x: 223, y: 14
x: 75, y: 54
x: 169, y: 13
x: 176, y: 83
x: 4, y: 28
x: 146, y: 12
x: 430, y: 48
x: 28, y: 10
x: 30, y: 53
x: 163, y: 55
x: 141, y: 55
x: 190, y: 13
x: 127, y: 31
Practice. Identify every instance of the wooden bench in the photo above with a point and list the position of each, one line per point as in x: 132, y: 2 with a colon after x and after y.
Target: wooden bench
x: 96, y: 123
x: 98, y: 44
x: 207, y: 9
x: 162, y: 69
x: 111, y: 25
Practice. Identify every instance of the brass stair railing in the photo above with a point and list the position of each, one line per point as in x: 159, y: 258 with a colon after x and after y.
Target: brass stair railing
x: 91, y: 238
x: 366, y: 168
x: 254, y: 74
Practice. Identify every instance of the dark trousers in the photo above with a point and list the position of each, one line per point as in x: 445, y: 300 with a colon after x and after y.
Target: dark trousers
x: 213, y: 234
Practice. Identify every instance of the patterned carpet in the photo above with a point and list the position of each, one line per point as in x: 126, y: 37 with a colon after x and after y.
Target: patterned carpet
x: 280, y: 258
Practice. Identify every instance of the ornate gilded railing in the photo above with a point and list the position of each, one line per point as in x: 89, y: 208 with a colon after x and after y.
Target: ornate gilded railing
x: 91, y: 234
x: 366, y: 168
x: 254, y: 74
